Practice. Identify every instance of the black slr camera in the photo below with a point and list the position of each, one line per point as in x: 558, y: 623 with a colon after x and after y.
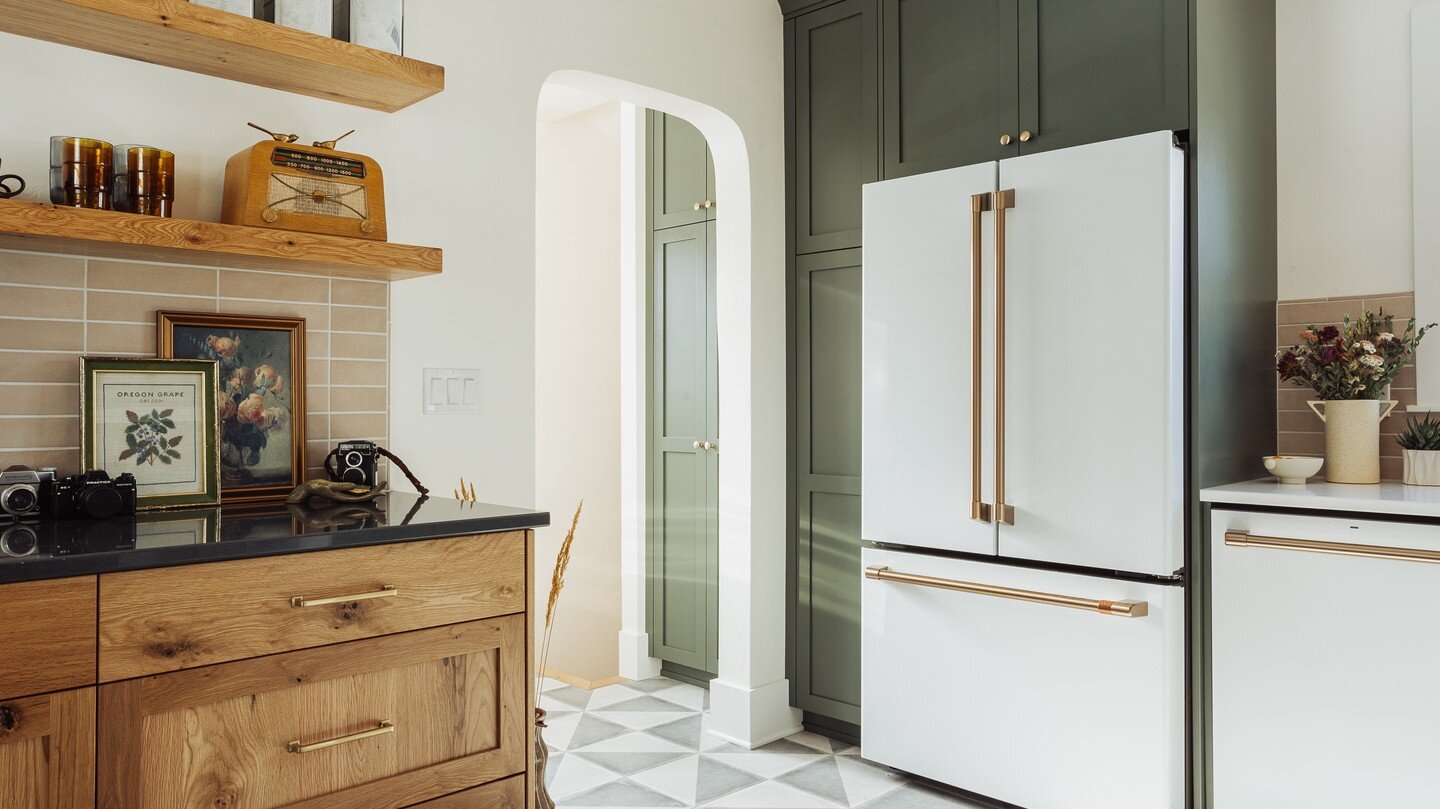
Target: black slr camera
x: 93, y: 494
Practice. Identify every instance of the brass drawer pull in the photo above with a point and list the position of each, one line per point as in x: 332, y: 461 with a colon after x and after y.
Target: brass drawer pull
x: 387, y: 591
x: 1120, y: 609
x: 1245, y: 539
x: 381, y: 729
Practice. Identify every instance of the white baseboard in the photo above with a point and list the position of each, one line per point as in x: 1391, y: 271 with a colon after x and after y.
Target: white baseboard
x: 635, y: 660
x: 752, y: 717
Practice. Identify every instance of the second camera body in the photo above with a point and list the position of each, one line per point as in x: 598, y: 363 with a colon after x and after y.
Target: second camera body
x: 20, y: 488
x: 356, y: 462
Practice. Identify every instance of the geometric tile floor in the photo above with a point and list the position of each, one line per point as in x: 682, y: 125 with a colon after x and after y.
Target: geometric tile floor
x: 640, y: 744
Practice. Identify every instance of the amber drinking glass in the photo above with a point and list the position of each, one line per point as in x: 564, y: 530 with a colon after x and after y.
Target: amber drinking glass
x: 144, y: 180
x: 80, y: 172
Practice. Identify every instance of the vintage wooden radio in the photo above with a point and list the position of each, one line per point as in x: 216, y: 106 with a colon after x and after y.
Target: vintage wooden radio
x: 279, y: 183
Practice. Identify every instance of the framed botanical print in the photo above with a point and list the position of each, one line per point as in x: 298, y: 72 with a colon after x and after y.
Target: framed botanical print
x: 154, y: 418
x: 261, y: 395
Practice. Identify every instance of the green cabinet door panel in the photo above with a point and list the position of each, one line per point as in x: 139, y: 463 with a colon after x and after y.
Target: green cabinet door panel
x: 949, y: 85
x: 835, y: 116
x: 827, y: 551
x: 681, y: 176
x: 1093, y: 70
x: 682, y: 543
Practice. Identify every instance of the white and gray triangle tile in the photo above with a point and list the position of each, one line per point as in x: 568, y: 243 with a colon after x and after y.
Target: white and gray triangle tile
x: 642, y: 744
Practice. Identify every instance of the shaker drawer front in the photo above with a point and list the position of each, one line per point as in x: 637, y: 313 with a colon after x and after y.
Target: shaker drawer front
x: 177, y: 618
x: 1046, y: 702
x: 506, y: 794
x: 1323, y: 661
x: 384, y: 722
x: 47, y: 632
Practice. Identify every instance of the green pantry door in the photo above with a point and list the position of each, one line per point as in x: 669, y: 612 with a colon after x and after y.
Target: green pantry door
x: 683, y: 538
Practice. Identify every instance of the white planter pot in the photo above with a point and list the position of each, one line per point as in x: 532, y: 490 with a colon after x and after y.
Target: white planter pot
x: 1352, y: 438
x: 1422, y: 467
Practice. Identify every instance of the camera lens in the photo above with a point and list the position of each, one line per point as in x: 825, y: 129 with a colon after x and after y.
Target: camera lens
x: 353, y: 458
x: 100, y: 502
x: 18, y: 540
x: 18, y: 499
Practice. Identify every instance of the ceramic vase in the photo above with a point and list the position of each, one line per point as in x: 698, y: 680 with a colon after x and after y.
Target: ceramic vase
x: 542, y: 758
x: 1352, y: 438
x: 1422, y: 467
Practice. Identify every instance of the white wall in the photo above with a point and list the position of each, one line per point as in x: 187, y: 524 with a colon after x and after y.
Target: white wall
x: 577, y: 384
x: 1344, y: 149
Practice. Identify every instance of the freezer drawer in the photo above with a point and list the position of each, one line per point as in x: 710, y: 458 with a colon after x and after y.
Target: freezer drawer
x: 1324, y: 663
x: 1041, y: 705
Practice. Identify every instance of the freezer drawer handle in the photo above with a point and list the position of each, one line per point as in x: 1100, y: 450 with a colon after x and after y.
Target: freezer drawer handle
x: 1245, y: 539
x: 1120, y: 609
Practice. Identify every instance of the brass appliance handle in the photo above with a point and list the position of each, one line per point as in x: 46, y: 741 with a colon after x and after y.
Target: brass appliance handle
x: 1119, y: 609
x: 381, y: 728
x: 1245, y: 539
x: 386, y: 591
x: 1004, y: 513
x: 979, y: 204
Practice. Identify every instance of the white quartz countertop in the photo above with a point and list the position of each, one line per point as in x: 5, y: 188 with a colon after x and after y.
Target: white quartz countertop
x: 1381, y: 498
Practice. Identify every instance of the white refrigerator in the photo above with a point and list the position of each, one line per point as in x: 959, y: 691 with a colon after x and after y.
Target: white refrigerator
x: 1023, y: 603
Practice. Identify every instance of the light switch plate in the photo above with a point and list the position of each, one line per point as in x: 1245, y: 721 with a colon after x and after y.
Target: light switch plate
x: 452, y: 390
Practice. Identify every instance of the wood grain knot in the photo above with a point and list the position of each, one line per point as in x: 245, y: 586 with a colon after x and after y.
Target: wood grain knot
x: 172, y: 649
x: 9, y: 719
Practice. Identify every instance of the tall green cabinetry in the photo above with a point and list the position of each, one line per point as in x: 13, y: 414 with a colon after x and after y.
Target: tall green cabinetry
x: 683, y: 442
x: 878, y: 89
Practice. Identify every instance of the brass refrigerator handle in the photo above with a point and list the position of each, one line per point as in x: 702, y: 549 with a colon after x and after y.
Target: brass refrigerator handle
x: 1245, y: 539
x: 386, y: 591
x: 979, y: 204
x: 1004, y: 200
x: 382, y: 728
x: 1119, y: 609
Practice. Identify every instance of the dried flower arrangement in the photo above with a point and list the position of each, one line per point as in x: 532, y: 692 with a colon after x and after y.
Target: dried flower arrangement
x: 1358, y: 360
x: 557, y: 583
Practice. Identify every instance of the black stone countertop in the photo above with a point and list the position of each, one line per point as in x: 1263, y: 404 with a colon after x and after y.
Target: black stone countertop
x: 31, y: 550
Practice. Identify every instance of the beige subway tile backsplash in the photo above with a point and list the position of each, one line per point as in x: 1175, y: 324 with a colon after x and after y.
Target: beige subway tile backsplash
x: 55, y: 309
x: 42, y: 270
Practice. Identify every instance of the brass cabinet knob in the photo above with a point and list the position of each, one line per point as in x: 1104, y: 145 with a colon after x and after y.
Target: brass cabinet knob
x: 1005, y: 140
x: 1026, y: 135
x: 698, y: 205
x: 699, y: 445
x: 710, y: 445
x: 709, y: 203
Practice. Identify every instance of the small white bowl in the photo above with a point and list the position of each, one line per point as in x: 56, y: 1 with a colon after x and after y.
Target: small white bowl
x: 1293, y: 468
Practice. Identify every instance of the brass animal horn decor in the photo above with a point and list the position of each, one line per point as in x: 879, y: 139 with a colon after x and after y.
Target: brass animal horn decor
x: 557, y: 583
x: 335, y: 492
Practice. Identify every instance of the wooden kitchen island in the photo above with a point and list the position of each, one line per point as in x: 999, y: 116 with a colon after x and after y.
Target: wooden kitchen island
x: 375, y: 656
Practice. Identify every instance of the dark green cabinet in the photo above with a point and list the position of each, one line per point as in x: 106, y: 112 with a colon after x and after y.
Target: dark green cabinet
x: 1092, y: 70
x: 835, y: 120
x: 950, y: 72
x: 683, y: 459
x: 682, y: 175
x: 827, y: 461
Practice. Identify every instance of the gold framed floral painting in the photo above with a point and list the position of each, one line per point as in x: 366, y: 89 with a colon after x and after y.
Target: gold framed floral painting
x: 260, y: 406
x: 154, y: 418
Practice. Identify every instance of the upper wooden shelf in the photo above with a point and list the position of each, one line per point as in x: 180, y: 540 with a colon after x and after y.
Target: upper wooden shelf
x: 203, y: 40
x: 107, y: 234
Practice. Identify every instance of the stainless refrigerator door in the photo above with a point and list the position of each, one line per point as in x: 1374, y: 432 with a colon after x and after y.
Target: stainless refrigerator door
x: 1091, y: 289
x: 1032, y: 702
x: 926, y: 477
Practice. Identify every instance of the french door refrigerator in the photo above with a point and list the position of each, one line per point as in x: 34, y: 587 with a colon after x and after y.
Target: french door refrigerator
x: 1022, y: 451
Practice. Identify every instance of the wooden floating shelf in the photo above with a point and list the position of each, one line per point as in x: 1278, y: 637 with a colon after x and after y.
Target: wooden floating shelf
x: 107, y: 234
x: 190, y: 37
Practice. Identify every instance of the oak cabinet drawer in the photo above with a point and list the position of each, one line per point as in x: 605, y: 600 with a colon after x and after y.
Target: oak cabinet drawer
x: 181, y: 617
x: 47, y: 632
x: 385, y: 722
x: 47, y: 751
x: 506, y: 794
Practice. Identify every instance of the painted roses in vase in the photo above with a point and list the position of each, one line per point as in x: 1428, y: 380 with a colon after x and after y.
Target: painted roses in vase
x: 253, y: 404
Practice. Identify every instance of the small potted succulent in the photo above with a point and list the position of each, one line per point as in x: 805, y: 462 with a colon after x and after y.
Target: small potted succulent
x: 1421, y: 444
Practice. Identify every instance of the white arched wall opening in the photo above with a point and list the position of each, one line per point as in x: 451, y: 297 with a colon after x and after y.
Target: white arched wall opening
x: 750, y: 697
